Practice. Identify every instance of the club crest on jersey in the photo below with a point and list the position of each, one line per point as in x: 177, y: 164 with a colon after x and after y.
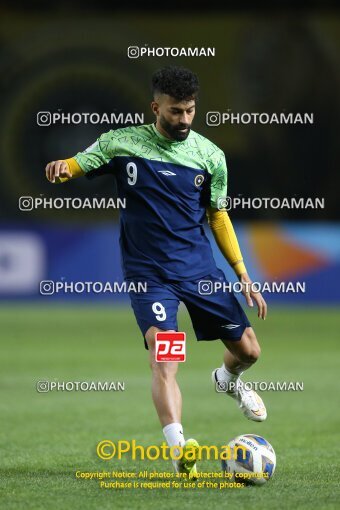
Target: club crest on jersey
x: 199, y: 179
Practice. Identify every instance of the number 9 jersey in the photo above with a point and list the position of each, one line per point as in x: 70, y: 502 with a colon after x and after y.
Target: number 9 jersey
x: 167, y: 186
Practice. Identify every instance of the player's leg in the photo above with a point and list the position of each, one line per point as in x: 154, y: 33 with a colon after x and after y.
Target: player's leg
x: 159, y: 306
x: 167, y: 399
x: 166, y: 394
x: 238, y: 357
x: 218, y: 315
x: 242, y: 354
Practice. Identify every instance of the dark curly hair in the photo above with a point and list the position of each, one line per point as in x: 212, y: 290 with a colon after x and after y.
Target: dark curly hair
x: 178, y: 82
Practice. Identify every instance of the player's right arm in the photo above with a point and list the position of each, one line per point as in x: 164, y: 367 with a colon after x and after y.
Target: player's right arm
x: 63, y: 170
x: 98, y: 154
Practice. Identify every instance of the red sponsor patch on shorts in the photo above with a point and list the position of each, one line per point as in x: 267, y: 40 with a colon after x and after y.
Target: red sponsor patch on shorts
x: 170, y: 346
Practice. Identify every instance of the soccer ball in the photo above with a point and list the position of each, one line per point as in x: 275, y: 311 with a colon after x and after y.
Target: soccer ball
x: 250, y: 458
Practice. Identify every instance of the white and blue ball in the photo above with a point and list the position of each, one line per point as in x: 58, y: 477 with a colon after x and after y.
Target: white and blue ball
x: 253, y: 463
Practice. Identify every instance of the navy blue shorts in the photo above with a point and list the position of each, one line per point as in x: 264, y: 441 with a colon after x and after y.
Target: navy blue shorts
x: 215, y: 313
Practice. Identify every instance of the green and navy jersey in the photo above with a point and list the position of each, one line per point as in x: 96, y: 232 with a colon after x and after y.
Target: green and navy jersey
x: 167, y: 186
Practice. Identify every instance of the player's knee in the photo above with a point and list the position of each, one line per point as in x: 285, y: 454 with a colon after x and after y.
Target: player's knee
x: 164, y: 372
x: 250, y: 355
x: 251, y: 351
x: 150, y: 336
x: 161, y: 370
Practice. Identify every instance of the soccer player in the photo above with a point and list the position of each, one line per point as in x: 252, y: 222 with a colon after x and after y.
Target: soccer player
x: 171, y: 177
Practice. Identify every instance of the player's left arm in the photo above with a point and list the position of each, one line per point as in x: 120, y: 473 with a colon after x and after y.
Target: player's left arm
x: 225, y: 236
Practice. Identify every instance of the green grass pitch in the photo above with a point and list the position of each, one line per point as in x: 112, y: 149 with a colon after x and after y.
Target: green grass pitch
x: 45, y: 438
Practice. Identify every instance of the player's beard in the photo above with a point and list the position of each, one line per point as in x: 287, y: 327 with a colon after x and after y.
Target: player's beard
x: 174, y: 131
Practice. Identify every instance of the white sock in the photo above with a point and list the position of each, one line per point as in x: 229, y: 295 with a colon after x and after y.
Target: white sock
x: 174, y: 437
x: 223, y: 374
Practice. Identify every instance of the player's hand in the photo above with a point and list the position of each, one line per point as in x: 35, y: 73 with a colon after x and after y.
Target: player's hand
x: 250, y: 295
x: 57, y: 169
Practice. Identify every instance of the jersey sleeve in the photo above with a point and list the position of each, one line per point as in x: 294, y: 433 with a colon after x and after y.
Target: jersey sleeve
x: 219, y: 181
x: 97, y: 154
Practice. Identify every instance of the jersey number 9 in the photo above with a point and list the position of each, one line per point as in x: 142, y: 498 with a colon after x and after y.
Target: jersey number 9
x: 131, y: 169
